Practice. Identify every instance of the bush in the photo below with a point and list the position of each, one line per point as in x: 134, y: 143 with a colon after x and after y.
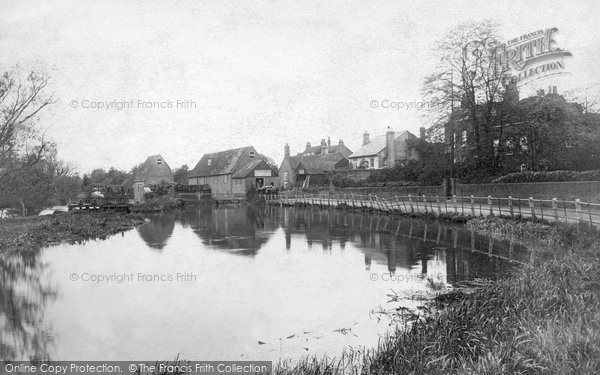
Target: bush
x: 549, y: 176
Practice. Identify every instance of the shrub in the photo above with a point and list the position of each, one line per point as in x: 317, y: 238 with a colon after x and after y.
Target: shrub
x: 549, y: 176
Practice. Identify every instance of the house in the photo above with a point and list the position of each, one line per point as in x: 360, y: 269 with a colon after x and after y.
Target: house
x: 313, y: 170
x: 153, y: 171
x: 308, y: 168
x: 326, y: 148
x: 231, y: 173
x: 385, y: 150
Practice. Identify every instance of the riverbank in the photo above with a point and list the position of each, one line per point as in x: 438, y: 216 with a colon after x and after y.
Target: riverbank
x: 32, y: 232
x: 538, y: 320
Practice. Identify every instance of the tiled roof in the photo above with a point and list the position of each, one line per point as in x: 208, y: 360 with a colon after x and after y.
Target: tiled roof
x: 376, y: 145
x: 152, y: 172
x: 342, y: 149
x: 247, y: 169
x: 223, y: 162
x: 317, y: 164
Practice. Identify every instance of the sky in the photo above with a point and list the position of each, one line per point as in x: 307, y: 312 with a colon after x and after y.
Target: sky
x: 183, y: 78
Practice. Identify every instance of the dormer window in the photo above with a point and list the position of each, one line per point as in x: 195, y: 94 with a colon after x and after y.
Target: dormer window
x: 209, y: 161
x: 252, y: 154
x: 159, y: 161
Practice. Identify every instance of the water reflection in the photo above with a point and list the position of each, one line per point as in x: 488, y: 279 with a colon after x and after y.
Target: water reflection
x: 24, y: 294
x: 157, y: 232
x: 243, y: 230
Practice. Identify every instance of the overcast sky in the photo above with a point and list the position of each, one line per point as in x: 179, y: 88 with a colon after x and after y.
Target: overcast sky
x: 260, y: 73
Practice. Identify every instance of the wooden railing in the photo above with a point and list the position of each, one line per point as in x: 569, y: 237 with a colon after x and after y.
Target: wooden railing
x: 559, y: 210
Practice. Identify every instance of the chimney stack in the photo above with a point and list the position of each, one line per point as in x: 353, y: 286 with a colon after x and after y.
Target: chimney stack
x: 365, y: 138
x: 307, y: 147
x: 329, y: 139
x: 323, y: 146
x: 390, y: 147
x: 286, y: 150
x: 341, y: 142
x: 422, y: 133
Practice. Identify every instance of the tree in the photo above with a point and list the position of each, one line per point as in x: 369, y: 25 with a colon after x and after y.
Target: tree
x: 22, y: 144
x: 466, y: 91
x: 181, y: 175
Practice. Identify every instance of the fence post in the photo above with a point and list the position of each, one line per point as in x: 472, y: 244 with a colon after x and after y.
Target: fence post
x: 410, y: 203
x: 590, y: 213
x: 578, y: 209
x: 555, y: 208
x: 437, y: 200
x: 510, y: 206
x: 425, y: 201
x: 532, y: 206
x: 454, y: 203
x: 472, y: 205
x: 490, y: 205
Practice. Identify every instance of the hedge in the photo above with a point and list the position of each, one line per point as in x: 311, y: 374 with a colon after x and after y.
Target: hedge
x: 549, y: 176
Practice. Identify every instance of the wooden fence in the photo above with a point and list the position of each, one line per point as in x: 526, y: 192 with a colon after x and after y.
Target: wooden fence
x: 557, y: 210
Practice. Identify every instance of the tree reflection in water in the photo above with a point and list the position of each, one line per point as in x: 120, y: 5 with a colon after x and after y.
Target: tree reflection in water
x: 23, y: 298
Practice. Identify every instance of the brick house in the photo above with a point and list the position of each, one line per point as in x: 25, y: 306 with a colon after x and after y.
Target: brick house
x: 153, y: 171
x: 231, y: 173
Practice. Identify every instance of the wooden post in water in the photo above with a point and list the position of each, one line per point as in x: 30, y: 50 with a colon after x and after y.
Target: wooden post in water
x: 472, y: 205
x: 490, y: 205
x: 555, y: 208
x: 590, y: 213
x: 454, y: 202
x: 410, y: 203
x: 437, y: 200
x: 510, y: 206
x: 425, y: 200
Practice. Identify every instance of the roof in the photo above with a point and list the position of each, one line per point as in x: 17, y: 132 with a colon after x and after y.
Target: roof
x: 342, y: 149
x: 151, y: 171
x: 376, y: 145
x: 320, y: 163
x: 223, y: 162
x: 247, y: 169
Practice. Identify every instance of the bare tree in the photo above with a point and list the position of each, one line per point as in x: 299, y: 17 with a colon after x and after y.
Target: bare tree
x: 22, y: 144
x: 467, y: 87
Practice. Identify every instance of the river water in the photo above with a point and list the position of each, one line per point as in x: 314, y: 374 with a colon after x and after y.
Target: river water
x: 233, y: 284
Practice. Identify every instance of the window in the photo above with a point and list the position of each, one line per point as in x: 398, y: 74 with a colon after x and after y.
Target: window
x: 252, y: 154
x: 285, y: 176
x: 372, y: 163
x: 225, y: 179
x: 209, y: 161
x: 464, y: 136
x: 159, y: 161
x: 300, y: 171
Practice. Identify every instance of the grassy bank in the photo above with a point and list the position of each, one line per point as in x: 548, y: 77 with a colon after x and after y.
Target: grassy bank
x: 33, y: 232
x: 538, y: 320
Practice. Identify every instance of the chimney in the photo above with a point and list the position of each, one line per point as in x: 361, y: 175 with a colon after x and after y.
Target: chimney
x: 307, y: 146
x: 329, y: 139
x: 286, y: 150
x: 365, y: 138
x: 323, y: 146
x: 390, y: 148
x: 341, y: 142
x: 422, y: 133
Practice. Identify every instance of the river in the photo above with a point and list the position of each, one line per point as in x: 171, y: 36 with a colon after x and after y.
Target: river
x: 233, y: 284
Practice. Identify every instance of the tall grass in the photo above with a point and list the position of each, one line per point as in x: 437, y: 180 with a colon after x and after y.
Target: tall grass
x: 543, y: 319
